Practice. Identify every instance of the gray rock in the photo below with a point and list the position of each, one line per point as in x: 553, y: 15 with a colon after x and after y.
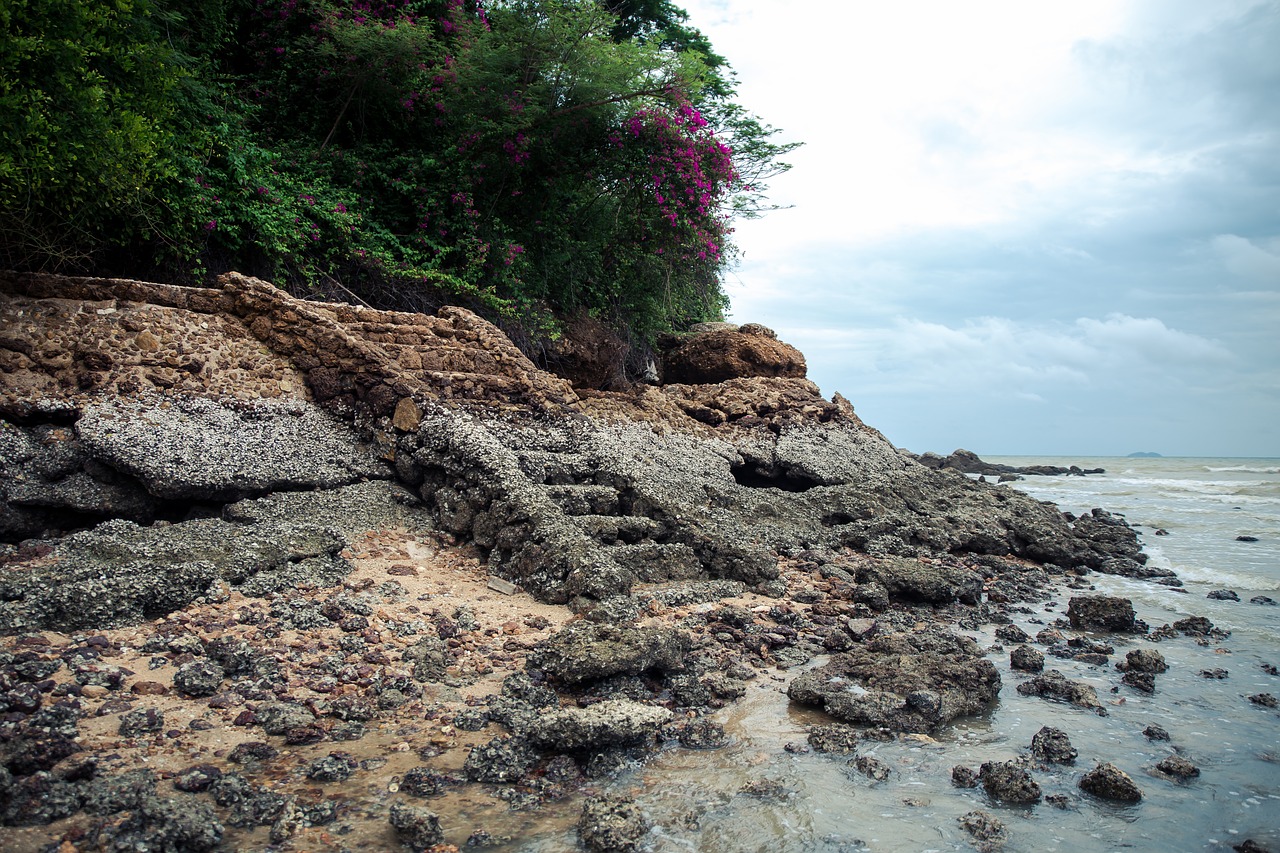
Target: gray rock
x: 1101, y: 613
x: 615, y: 722
x: 1054, y: 685
x: 504, y: 759
x: 417, y: 827
x: 276, y: 718
x: 196, y: 449
x: 1110, y: 783
x: 198, y: 678
x: 907, y: 682
x: 612, y: 824
x: 1007, y: 782
x: 1026, y: 659
x: 1050, y: 744
x: 1143, y: 660
x: 1177, y: 767
x: 988, y: 832
x: 587, y: 651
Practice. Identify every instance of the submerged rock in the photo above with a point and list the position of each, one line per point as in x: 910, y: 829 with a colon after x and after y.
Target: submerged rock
x: 1050, y: 744
x: 1055, y: 685
x: 1178, y: 767
x: 989, y: 833
x: 1008, y: 782
x: 1102, y: 613
x: 612, y: 824
x: 907, y: 682
x: 1110, y: 783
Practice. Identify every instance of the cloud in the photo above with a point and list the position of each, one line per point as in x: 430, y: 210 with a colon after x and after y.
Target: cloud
x: 1249, y: 260
x: 997, y: 356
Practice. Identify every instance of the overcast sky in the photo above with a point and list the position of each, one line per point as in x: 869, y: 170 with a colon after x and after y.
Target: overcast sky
x: 1023, y: 227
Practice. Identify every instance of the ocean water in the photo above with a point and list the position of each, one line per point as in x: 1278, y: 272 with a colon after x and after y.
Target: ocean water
x: 823, y: 805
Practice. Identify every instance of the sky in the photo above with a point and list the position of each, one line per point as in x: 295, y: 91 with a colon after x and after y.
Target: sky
x: 1022, y: 227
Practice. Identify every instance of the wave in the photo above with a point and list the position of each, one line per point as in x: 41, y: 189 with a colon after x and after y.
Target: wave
x: 1242, y: 469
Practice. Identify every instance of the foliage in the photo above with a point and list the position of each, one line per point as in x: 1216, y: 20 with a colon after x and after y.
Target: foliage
x: 521, y: 156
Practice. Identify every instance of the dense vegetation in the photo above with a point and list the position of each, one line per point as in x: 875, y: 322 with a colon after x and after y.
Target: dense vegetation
x: 534, y: 159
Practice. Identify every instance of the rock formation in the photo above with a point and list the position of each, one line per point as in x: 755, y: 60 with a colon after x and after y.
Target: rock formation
x: 135, y: 401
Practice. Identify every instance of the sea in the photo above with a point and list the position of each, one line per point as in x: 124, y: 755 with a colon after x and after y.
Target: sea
x: 1216, y: 523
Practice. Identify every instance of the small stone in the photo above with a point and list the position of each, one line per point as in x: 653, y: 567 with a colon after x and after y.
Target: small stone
x: 872, y: 768
x: 1223, y: 595
x: 987, y: 831
x: 1216, y: 673
x: 146, y: 341
x: 1154, y: 732
x: 141, y: 721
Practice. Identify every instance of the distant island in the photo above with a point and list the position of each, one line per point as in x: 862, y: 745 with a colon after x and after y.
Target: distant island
x: 1145, y: 454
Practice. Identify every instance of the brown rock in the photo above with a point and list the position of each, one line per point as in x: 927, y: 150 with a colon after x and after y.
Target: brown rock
x: 146, y: 341
x: 149, y: 688
x: 719, y: 356
x: 408, y: 415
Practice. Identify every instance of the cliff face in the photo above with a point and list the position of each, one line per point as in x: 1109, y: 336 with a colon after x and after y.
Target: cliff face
x: 227, y: 412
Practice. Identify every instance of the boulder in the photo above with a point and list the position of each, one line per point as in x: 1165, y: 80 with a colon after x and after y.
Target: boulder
x: 1143, y: 660
x: 718, y: 356
x: 587, y: 651
x: 908, y: 682
x: 1110, y: 783
x: 612, y: 824
x: 1054, y: 685
x: 1053, y: 745
x: 1008, y: 782
x: 615, y: 722
x: 1101, y: 613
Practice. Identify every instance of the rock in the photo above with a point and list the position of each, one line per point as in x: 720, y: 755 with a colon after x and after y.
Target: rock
x: 417, y: 827
x: 989, y: 834
x: 502, y: 760
x: 1007, y: 782
x: 141, y: 721
x: 1012, y: 634
x: 1154, y: 732
x: 587, y: 651
x: 1110, y: 783
x: 1143, y: 681
x: 612, y: 824
x: 1216, y: 673
x: 1143, y: 660
x: 1265, y: 700
x: 1026, y: 659
x: 1250, y: 846
x: 835, y: 738
x: 872, y: 768
x: 407, y: 416
x: 718, y: 356
x: 907, y: 682
x: 276, y: 718
x: 1246, y: 538
x: 964, y: 777
x: 702, y: 733
x: 1223, y: 595
x: 334, y: 767
x: 1054, y: 685
x: 913, y: 581
x: 1101, y: 613
x: 1262, y: 599
x: 168, y: 825
x: 1178, y: 767
x: 198, y: 678
x: 614, y: 722
x: 1050, y: 744
x: 244, y: 449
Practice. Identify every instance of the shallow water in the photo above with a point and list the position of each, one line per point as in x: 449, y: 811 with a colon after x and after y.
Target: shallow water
x: 696, y: 799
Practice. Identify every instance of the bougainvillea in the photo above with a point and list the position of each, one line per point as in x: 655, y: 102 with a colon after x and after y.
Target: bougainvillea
x: 526, y: 157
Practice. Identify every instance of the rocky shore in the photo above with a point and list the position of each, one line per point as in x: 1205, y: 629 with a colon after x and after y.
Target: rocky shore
x: 305, y: 576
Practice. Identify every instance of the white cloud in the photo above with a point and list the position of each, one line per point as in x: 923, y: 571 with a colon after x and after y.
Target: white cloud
x: 1000, y: 357
x: 1249, y: 260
